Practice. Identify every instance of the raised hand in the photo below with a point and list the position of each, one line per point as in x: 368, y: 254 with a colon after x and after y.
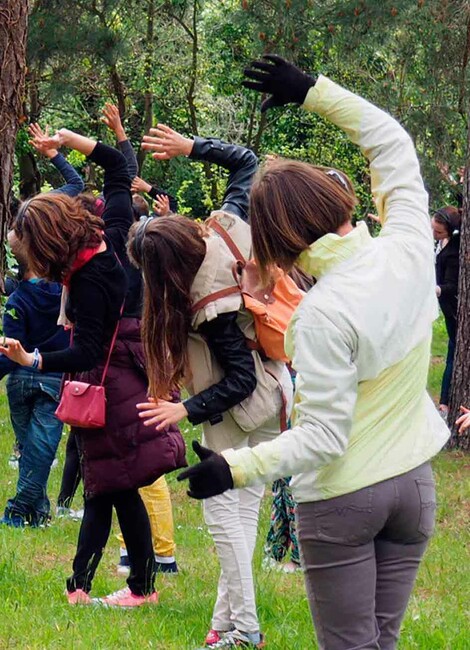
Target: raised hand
x: 112, y: 119
x: 166, y: 143
x: 41, y: 140
x: 162, y: 205
x: 139, y: 185
x: 277, y: 77
x: 208, y: 478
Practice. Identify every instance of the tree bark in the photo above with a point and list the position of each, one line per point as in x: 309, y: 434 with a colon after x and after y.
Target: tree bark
x: 460, y: 389
x: 13, y: 30
x: 148, y: 95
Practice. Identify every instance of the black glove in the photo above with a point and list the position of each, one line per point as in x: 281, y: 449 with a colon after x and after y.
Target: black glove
x: 282, y: 80
x: 210, y: 477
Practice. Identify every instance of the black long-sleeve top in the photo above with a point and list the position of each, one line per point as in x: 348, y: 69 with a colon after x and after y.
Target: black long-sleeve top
x: 447, y: 276
x: 223, y: 336
x: 98, y: 289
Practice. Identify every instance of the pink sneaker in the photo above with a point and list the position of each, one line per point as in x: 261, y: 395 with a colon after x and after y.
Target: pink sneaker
x: 125, y: 598
x: 78, y: 597
x: 212, y: 638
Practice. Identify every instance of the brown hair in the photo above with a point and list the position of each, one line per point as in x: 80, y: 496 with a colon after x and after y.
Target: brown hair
x: 449, y: 217
x: 140, y: 207
x: 52, y: 228
x: 169, y: 250
x: 292, y: 204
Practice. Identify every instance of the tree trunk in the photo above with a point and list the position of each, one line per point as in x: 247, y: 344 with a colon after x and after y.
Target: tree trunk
x: 13, y: 29
x: 460, y: 389
x: 148, y: 71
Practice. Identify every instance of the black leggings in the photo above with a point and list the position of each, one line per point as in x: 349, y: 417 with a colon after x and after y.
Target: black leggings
x: 71, y: 474
x: 94, y: 533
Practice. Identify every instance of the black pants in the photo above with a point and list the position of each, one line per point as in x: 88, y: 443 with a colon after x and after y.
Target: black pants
x: 94, y: 533
x: 71, y: 474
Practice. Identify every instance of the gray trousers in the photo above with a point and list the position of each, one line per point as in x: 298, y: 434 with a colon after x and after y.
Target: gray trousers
x: 360, y: 553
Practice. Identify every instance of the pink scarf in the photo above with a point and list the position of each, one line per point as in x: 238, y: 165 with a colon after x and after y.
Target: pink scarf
x: 83, y: 257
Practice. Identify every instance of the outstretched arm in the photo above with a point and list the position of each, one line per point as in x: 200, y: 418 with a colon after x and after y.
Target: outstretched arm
x: 73, y: 181
x: 241, y: 162
x: 112, y: 119
x: 397, y: 185
x: 117, y: 214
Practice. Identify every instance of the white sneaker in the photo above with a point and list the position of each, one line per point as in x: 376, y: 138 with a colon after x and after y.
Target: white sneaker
x: 111, y: 599
x: 76, y: 515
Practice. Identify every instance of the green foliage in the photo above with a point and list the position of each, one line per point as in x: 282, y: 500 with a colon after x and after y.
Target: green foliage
x: 77, y: 159
x: 187, y: 57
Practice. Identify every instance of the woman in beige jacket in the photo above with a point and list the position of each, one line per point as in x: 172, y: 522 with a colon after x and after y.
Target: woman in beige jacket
x: 197, y: 332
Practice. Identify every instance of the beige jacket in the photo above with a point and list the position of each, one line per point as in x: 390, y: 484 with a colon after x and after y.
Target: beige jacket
x: 215, y: 274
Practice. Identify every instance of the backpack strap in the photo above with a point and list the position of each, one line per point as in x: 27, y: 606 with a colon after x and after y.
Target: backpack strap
x: 214, y: 296
x: 220, y: 230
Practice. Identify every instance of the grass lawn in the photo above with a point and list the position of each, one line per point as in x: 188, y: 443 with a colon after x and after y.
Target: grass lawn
x: 34, y: 564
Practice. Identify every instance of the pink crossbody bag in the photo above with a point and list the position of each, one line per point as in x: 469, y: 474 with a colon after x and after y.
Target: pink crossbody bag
x: 81, y: 404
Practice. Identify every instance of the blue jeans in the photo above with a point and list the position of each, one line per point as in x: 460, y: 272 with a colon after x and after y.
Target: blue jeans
x: 33, y: 399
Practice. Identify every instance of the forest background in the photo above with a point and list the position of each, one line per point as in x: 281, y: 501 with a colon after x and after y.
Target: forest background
x: 181, y: 62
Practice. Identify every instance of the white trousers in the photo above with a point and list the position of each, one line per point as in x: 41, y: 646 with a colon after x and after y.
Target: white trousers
x: 232, y: 519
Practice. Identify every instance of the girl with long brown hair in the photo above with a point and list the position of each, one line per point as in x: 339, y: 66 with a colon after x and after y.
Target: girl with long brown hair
x: 197, y: 332
x: 364, y: 428
x: 65, y: 243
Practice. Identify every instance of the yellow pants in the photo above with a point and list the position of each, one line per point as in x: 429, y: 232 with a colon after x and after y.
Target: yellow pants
x: 156, y: 498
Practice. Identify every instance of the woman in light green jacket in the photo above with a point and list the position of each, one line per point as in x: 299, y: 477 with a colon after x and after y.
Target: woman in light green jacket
x: 364, y: 428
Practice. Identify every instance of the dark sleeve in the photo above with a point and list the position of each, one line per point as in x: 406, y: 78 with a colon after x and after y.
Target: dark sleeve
x: 450, y: 276
x: 13, y: 327
x: 228, y: 344
x: 156, y: 191
x: 117, y: 213
x: 127, y: 150
x: 242, y: 165
x: 73, y: 181
x: 86, y: 351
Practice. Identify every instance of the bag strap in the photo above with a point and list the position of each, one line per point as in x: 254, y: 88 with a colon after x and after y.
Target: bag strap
x: 220, y: 230
x: 111, y: 347
x: 222, y: 293
x: 283, y: 413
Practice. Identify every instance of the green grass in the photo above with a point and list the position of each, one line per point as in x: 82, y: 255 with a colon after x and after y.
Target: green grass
x: 35, y: 563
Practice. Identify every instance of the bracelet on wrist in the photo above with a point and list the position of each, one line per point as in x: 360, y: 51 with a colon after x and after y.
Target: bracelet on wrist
x: 35, y: 364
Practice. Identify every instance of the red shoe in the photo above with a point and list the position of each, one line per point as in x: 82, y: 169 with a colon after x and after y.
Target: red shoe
x: 212, y: 638
x: 126, y: 599
x: 78, y: 597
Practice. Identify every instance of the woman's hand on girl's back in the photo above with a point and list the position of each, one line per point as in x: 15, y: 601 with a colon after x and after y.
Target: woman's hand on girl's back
x: 167, y: 143
x: 161, y: 413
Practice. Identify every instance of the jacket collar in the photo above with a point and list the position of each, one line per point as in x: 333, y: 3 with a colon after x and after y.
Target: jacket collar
x: 332, y: 249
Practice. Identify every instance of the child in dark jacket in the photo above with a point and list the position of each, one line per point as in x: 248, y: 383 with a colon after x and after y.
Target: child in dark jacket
x: 31, y: 315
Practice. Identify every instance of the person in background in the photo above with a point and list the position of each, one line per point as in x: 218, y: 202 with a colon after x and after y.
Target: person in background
x: 64, y: 243
x: 31, y: 315
x: 73, y: 186
x: 282, y: 534
x: 446, y: 231
x: 364, y: 428
x: 163, y: 200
